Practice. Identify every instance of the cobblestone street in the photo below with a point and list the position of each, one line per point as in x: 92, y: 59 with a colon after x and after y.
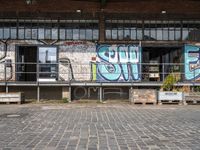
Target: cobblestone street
x: 99, y: 126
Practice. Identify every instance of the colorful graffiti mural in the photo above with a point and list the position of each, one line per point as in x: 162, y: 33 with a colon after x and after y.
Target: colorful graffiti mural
x: 118, y: 63
x: 192, y: 62
x: 74, y: 58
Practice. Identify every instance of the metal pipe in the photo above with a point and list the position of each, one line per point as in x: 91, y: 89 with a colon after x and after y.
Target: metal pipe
x: 100, y: 94
x: 5, y: 48
x: 38, y: 93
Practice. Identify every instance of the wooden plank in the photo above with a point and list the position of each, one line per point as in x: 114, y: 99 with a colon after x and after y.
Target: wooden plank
x: 9, y: 98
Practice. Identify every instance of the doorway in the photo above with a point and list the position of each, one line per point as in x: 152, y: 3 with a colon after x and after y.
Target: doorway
x: 26, y: 63
x: 153, y: 59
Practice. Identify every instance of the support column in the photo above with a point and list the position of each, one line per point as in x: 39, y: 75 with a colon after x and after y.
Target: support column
x: 5, y: 77
x: 38, y: 87
x: 100, y: 94
x: 102, y: 27
x: 38, y: 94
x: 131, y: 95
x: 7, y: 89
x: 66, y: 92
x: 163, y: 72
x: 70, y: 92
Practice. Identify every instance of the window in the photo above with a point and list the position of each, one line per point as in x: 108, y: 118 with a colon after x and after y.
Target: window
x: 120, y: 33
x: 114, y: 34
x: 49, y: 29
x: 88, y: 29
x: 69, y: 34
x: 88, y: 34
x: 6, y: 33
x: 34, y: 33
x: 48, y: 66
x: 188, y: 28
x: 82, y: 34
x: 95, y: 34
x: 62, y: 34
x: 162, y: 30
x: 41, y: 33
x: 108, y: 34
x: 1, y: 33
x: 133, y: 34
x: 13, y: 33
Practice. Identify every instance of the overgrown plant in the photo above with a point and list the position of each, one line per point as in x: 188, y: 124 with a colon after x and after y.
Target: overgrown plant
x: 197, y: 88
x: 65, y: 100
x: 168, y: 84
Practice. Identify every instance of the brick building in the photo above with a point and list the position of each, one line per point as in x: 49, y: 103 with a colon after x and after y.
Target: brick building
x: 96, y: 48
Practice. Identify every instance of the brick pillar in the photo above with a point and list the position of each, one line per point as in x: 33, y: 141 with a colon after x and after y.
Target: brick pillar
x: 101, y: 27
x: 66, y: 93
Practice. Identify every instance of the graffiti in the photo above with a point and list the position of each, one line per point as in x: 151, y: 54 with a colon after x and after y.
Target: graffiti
x: 6, y: 64
x: 47, y: 42
x: 79, y: 54
x: 113, y: 63
x: 77, y: 46
x: 82, y: 71
x: 81, y: 92
x: 114, y: 93
x: 92, y: 90
x: 66, y: 62
x: 118, y: 63
x: 94, y: 71
x: 192, y: 62
x: 86, y: 93
x: 75, y: 43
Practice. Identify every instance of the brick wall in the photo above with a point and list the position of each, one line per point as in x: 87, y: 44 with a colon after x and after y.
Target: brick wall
x: 151, y: 6
x: 143, y: 95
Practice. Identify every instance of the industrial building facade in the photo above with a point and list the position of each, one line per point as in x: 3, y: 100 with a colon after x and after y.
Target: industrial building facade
x: 96, y: 49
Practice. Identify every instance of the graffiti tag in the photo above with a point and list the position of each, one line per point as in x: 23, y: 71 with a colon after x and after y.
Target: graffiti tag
x: 118, y: 63
x: 192, y: 62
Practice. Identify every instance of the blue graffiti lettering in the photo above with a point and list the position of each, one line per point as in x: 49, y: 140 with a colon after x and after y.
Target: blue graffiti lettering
x: 118, y: 63
x: 192, y: 62
x: 107, y: 70
x: 123, y: 59
x: 134, y: 59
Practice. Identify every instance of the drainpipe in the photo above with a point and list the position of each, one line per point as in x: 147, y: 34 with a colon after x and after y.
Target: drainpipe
x: 5, y: 48
x: 4, y: 56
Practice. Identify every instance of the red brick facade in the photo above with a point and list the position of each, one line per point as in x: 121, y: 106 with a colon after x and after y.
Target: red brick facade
x: 134, y: 6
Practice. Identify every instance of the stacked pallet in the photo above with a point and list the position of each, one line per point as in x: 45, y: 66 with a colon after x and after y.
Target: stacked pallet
x: 192, y: 98
x: 143, y: 96
x: 169, y: 97
x: 9, y: 98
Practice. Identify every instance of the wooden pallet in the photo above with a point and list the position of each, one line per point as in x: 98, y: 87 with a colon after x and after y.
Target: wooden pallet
x: 10, y: 98
x: 170, y: 102
x: 10, y: 102
x: 192, y: 102
x: 144, y: 103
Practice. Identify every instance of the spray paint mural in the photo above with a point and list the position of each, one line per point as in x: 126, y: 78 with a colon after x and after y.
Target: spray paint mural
x: 192, y: 62
x: 74, y: 58
x: 118, y: 63
x: 83, y: 61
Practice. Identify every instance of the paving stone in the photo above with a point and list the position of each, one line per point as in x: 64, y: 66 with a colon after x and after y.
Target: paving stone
x: 101, y: 127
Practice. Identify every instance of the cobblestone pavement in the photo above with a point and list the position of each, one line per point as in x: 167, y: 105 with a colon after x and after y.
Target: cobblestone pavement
x: 99, y: 126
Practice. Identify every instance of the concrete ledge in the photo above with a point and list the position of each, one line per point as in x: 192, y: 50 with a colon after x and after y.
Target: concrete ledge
x: 12, y: 98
